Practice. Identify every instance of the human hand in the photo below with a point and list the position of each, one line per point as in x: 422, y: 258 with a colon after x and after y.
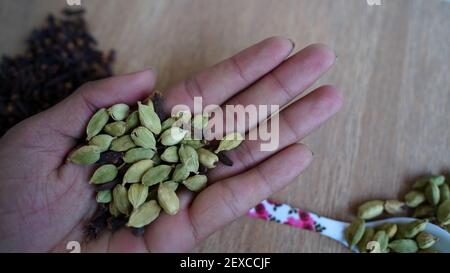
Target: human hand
x: 45, y: 202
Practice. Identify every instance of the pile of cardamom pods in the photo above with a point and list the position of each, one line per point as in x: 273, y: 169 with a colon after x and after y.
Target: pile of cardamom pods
x: 141, y: 161
x: 428, y: 201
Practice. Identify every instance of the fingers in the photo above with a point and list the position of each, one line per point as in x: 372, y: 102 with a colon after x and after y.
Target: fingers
x: 286, y: 82
x: 220, y: 82
x: 295, y: 123
x: 228, y: 199
x: 69, y: 117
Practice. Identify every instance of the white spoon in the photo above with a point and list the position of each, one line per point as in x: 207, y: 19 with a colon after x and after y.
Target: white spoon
x: 285, y: 214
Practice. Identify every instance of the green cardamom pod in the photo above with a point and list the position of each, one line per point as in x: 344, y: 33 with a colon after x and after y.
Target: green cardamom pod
x: 410, y: 230
x: 116, y: 129
x: 196, y: 183
x: 173, y: 136
x: 170, y: 154
x: 132, y: 120
x: 382, y: 238
x: 183, y: 116
x: 156, y: 175
x: 414, y: 199
x: 149, y: 118
x: 421, y: 183
x: 371, y: 209
x: 425, y: 240
x: 144, y: 215
x: 85, y: 155
x: 200, y: 121
x: 167, y: 124
x: 180, y: 173
x: 172, y: 185
x: 432, y: 194
x: 230, y: 142
x: 120, y: 199
x: 194, y: 143
x: 104, y: 197
x: 96, y: 123
x: 443, y: 213
x: 103, y: 142
x: 395, y: 207
x: 438, y: 180
x: 138, y: 154
x: 137, y: 194
x: 150, y: 103
x: 168, y: 199
x: 104, y: 174
x: 119, y: 111
x: 404, y: 246
x: 355, y: 232
x: 135, y: 173
x: 113, y: 209
x: 389, y: 228
x: 424, y: 211
x: 189, y: 157
x: 444, y: 192
x: 207, y: 158
x: 144, y: 138
x: 373, y: 247
x: 367, y: 237
x: 122, y: 144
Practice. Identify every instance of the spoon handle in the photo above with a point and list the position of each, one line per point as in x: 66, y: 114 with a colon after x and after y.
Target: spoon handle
x: 280, y: 213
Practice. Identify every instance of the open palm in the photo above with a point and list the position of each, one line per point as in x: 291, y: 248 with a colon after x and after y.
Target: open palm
x: 46, y: 202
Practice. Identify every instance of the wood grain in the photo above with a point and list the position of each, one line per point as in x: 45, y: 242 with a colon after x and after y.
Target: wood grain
x: 393, y: 67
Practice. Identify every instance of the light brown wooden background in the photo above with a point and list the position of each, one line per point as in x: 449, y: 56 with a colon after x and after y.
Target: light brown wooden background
x: 393, y: 67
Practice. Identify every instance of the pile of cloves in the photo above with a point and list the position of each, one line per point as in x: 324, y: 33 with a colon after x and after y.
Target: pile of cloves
x: 59, y: 57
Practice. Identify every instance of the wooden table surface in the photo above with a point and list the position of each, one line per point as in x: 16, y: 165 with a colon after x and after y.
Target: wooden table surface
x: 393, y: 67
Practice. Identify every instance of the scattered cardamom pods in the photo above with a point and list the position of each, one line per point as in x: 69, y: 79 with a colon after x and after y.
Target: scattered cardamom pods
x: 200, y: 121
x: 389, y: 228
x: 367, y: 237
x: 382, y: 238
x: 167, y: 124
x: 404, y: 246
x: 443, y: 213
x: 432, y: 194
x: 425, y: 240
x: 395, y: 207
x: 424, y: 211
x: 414, y: 199
x: 370, y: 209
x: 180, y: 173
x: 438, y: 180
x: 444, y: 192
